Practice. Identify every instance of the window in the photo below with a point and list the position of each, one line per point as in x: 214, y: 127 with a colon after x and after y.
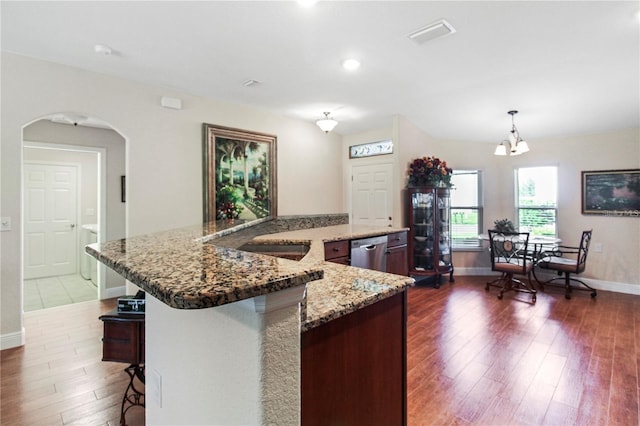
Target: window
x: 466, y: 208
x: 536, y: 200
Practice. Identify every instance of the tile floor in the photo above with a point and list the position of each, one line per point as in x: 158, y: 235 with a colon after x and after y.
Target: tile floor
x: 48, y: 292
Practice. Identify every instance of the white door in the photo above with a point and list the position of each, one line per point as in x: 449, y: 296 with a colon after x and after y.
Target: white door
x: 372, y: 194
x: 50, y: 209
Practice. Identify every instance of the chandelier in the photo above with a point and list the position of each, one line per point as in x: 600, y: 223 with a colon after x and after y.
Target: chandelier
x: 515, y: 143
x: 327, y: 123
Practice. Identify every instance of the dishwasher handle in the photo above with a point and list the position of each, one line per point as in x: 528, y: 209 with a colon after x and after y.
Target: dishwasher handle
x: 369, y: 248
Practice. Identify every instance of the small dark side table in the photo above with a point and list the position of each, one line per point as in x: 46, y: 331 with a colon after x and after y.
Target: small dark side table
x: 123, y: 341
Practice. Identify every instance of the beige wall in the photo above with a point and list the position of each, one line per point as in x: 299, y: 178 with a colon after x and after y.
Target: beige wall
x: 619, y: 261
x: 163, y: 149
x: 616, y: 268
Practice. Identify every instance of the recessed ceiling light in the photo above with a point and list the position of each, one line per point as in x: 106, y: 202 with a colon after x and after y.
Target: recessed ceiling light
x: 307, y: 3
x: 351, y: 64
x: 102, y: 49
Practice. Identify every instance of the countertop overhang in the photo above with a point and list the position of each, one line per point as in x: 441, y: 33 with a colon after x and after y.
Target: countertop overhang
x: 185, y: 269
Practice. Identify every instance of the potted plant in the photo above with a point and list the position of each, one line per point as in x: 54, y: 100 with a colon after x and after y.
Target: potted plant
x: 504, y: 225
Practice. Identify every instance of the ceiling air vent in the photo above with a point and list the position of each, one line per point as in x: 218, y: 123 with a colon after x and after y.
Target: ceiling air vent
x: 432, y: 31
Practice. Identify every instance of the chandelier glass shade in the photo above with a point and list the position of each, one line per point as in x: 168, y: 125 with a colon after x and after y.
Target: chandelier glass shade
x: 327, y: 124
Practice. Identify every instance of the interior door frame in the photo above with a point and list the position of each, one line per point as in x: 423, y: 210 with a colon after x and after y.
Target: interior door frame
x: 102, y: 200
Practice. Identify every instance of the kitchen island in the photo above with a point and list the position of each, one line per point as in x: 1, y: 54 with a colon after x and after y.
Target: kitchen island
x: 223, y: 325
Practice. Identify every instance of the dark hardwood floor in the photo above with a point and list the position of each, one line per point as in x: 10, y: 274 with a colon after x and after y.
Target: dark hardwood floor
x: 472, y: 359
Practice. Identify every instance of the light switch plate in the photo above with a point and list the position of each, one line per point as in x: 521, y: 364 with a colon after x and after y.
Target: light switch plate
x: 154, y: 386
x: 5, y: 224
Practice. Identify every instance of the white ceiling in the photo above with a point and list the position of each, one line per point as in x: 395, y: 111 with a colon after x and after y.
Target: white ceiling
x: 569, y: 67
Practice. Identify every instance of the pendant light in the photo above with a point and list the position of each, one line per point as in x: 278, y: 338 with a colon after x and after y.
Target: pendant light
x: 327, y: 123
x: 515, y: 143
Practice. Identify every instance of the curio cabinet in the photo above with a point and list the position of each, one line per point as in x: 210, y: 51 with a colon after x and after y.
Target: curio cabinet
x: 429, y: 222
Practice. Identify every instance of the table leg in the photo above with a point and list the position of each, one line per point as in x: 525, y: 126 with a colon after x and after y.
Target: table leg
x: 132, y: 396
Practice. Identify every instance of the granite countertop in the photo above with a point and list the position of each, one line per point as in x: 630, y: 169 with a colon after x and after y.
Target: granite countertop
x: 344, y: 289
x: 185, y: 269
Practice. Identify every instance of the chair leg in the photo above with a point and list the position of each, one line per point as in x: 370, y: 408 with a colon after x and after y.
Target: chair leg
x: 568, y: 288
x: 509, y: 283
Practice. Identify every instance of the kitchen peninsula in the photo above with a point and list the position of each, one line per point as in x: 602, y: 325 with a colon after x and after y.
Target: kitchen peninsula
x: 229, y: 332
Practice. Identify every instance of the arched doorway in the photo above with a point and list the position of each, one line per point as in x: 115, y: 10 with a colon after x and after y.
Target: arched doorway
x: 61, y: 145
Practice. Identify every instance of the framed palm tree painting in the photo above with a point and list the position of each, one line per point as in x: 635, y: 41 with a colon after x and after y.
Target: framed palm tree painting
x: 239, y: 174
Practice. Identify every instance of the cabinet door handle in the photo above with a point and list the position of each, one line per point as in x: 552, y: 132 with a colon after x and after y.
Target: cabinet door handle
x: 336, y: 249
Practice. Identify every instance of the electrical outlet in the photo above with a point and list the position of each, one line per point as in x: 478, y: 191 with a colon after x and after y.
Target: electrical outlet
x: 90, y: 212
x: 154, y: 383
x: 597, y: 247
x: 5, y: 224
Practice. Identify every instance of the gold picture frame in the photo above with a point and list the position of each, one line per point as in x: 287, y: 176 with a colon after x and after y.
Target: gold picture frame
x: 239, y: 174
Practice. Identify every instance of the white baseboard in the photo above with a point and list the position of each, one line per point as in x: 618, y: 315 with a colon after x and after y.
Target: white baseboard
x: 12, y: 340
x: 615, y: 287
x: 110, y: 293
x: 473, y: 271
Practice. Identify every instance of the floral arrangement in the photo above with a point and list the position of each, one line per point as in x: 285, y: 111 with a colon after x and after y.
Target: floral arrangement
x: 429, y: 171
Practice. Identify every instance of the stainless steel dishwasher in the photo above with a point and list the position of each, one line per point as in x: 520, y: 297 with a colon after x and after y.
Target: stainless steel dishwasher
x: 370, y: 253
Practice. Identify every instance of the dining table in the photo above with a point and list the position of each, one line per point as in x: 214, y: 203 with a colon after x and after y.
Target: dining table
x: 541, y: 246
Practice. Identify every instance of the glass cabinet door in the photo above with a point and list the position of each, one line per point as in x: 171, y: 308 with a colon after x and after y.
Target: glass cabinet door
x: 423, y: 235
x: 444, y: 247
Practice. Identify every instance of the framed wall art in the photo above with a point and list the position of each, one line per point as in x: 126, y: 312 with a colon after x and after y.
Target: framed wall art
x: 239, y: 174
x: 611, y: 192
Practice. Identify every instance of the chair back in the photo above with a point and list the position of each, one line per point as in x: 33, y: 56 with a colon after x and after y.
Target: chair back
x: 509, y: 251
x: 583, y: 251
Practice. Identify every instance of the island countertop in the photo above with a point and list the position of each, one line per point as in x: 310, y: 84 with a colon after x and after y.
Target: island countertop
x: 185, y: 269
x: 344, y: 289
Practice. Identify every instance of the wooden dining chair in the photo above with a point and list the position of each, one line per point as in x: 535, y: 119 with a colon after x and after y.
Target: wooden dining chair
x: 509, y: 256
x: 568, y: 260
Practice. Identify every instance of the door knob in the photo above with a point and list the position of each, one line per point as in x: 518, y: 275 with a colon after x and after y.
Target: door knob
x: 73, y: 225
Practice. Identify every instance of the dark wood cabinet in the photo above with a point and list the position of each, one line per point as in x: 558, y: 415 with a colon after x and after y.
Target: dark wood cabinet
x: 123, y: 338
x: 397, y: 261
x: 353, y: 369
x: 337, y: 252
x: 123, y: 341
x: 429, y: 222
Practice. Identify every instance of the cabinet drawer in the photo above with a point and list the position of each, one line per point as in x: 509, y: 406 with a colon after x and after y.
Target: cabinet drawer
x: 397, y: 239
x: 121, y: 342
x: 336, y: 249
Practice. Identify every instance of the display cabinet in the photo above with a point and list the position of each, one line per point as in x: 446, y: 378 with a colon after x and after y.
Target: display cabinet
x: 429, y: 222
